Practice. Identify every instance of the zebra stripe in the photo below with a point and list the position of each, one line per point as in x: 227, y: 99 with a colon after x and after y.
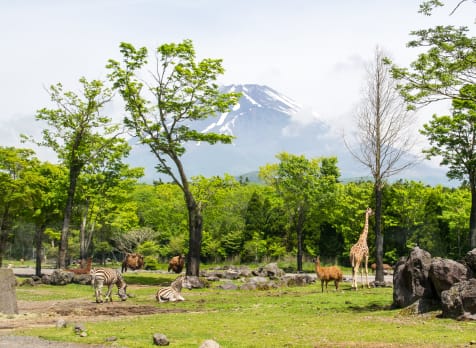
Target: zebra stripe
x: 107, y: 276
x: 172, y: 293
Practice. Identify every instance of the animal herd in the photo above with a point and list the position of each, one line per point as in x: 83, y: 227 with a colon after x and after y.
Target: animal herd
x: 101, y: 277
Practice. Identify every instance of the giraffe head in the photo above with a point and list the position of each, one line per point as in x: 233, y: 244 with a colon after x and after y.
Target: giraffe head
x: 369, y: 212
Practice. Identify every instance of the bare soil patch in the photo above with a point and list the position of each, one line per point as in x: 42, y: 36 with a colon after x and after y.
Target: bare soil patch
x: 47, y: 313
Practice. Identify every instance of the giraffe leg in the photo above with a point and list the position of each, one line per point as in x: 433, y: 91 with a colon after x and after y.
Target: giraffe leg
x: 355, y: 272
x: 367, y: 272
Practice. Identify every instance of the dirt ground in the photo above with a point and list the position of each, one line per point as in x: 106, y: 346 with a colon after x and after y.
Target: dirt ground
x: 47, y: 313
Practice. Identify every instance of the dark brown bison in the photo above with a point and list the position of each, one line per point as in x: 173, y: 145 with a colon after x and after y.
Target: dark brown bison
x: 176, y: 263
x: 133, y: 261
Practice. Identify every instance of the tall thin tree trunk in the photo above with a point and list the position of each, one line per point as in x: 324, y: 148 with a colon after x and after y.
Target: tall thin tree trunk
x: 3, y: 234
x: 195, y: 222
x: 472, y: 217
x: 299, y: 230
x: 379, y: 271
x: 68, y: 213
x: 82, y: 233
x: 39, y: 230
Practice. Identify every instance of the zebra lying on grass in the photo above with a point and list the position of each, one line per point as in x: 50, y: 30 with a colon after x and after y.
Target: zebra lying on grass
x: 172, y: 293
x: 107, y: 276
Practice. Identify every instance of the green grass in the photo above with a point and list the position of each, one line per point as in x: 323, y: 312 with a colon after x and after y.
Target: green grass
x: 285, y: 317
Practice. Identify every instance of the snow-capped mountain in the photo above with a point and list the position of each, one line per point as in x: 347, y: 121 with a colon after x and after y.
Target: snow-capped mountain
x: 264, y: 123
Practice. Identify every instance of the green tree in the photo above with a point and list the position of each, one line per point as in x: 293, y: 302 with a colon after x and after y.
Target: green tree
x: 404, y: 212
x: 14, y: 164
x: 432, y: 235
x: 161, y: 114
x: 445, y: 71
x: 439, y: 73
x: 303, y: 184
x: 456, y: 210
x: 103, y: 190
x: 45, y: 189
x: 452, y: 139
x: 80, y: 136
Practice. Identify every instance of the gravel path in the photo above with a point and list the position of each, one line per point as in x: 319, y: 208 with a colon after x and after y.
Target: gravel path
x: 29, y: 341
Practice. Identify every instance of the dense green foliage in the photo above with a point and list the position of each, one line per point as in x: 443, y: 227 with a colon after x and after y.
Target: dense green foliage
x: 242, y: 222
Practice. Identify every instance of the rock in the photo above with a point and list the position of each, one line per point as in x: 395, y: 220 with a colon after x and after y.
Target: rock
x: 27, y: 281
x: 271, y: 270
x: 259, y: 283
x: 410, y: 279
x: 209, y: 344
x: 78, y: 327
x: 231, y: 274
x: 193, y: 282
x: 299, y: 279
x: 45, y: 279
x: 60, y: 324
x: 160, y: 340
x: 8, y: 299
x: 459, y: 302
x: 228, y: 286
x: 83, y: 279
x: 384, y: 284
x: 422, y: 305
x: 470, y: 260
x: 444, y: 273
x: 60, y: 277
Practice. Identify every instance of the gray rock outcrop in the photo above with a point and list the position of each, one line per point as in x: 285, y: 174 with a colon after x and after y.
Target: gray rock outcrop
x: 422, y: 283
x: 459, y: 301
x: 410, y: 279
x: 444, y: 273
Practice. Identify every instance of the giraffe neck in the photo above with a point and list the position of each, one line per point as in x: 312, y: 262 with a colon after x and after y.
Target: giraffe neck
x: 363, y: 236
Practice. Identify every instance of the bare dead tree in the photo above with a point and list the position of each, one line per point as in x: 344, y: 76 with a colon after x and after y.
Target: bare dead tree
x: 128, y: 242
x: 383, y: 138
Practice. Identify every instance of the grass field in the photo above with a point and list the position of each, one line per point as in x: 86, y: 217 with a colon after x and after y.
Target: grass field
x: 285, y: 317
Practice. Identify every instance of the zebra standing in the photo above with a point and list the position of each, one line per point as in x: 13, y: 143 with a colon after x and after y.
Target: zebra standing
x: 107, y: 276
x: 172, y: 293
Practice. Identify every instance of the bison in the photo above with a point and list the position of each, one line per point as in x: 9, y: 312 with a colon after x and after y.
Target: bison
x: 133, y: 261
x: 176, y: 263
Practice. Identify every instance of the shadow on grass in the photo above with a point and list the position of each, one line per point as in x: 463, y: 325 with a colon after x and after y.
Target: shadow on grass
x: 144, y: 279
x: 370, y: 307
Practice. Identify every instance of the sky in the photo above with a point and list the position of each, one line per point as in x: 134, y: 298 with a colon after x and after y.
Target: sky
x: 312, y: 51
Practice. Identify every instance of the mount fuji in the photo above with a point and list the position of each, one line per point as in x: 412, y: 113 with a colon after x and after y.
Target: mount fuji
x: 264, y: 123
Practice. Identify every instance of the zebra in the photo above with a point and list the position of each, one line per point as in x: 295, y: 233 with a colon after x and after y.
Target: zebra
x: 172, y: 293
x: 107, y: 276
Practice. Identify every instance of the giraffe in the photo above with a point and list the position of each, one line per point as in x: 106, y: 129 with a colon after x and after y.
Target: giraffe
x: 360, y: 252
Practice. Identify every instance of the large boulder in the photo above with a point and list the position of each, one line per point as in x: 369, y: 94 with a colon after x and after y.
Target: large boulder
x: 444, y: 273
x: 459, y: 301
x: 470, y: 261
x: 8, y: 299
x: 410, y: 279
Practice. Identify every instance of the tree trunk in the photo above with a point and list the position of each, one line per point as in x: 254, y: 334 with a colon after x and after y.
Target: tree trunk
x: 472, y: 217
x: 195, y: 222
x: 299, y: 230
x: 68, y: 213
x: 38, y: 246
x: 3, y: 234
x: 379, y: 271
x: 82, y: 233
